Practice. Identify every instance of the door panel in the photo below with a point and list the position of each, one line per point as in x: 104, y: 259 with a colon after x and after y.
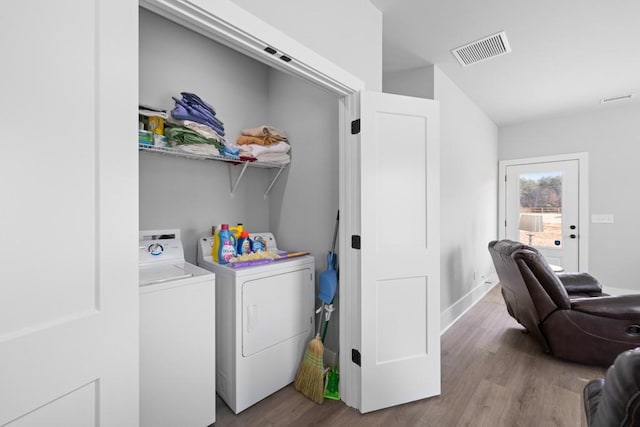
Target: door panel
x: 68, y: 316
x: 542, y: 209
x: 283, y: 300
x: 399, y: 256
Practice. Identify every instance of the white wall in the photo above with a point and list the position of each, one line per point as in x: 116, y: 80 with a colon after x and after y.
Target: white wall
x: 468, y: 177
x: 469, y: 157
x: 611, y: 136
x: 348, y: 33
x: 418, y: 82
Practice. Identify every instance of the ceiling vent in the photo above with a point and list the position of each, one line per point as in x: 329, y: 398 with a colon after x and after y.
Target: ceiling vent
x: 616, y: 98
x: 483, y: 49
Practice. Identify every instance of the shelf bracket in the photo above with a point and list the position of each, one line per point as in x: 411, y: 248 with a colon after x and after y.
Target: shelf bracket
x: 235, y: 185
x: 273, y: 181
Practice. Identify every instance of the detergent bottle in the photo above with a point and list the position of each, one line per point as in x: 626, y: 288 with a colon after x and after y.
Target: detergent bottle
x: 226, y: 249
x: 236, y: 230
x: 258, y: 244
x: 244, y: 243
x: 216, y: 245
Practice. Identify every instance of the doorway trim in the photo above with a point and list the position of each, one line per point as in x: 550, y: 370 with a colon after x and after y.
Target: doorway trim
x: 234, y: 27
x: 583, y: 188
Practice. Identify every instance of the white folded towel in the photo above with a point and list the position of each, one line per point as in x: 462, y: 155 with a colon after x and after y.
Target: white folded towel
x: 278, y: 158
x: 203, y: 130
x: 257, y: 150
x: 200, y: 149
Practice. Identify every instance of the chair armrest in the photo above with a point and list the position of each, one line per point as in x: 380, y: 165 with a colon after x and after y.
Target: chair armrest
x: 576, y: 283
x: 625, y: 307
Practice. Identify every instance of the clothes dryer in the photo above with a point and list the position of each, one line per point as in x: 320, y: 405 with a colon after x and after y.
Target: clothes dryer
x: 177, y: 335
x: 264, y: 321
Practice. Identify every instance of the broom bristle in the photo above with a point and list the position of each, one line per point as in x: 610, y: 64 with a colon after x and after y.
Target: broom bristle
x: 310, y: 376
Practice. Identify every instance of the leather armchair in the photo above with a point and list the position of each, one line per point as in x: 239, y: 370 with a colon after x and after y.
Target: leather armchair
x: 568, y: 314
x: 615, y: 399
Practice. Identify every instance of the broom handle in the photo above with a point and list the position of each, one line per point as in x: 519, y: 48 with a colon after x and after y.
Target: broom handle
x: 320, y: 320
x: 335, y: 234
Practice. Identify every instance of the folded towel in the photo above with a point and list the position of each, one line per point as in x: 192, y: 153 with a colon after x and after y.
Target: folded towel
x: 182, y: 111
x: 202, y: 129
x: 152, y: 113
x: 279, y: 158
x: 265, y: 130
x: 200, y: 149
x: 193, y: 98
x: 257, y: 150
x: 260, y: 140
x: 182, y: 136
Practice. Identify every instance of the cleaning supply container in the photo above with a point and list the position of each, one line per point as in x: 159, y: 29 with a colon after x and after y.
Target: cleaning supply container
x: 245, y: 244
x: 226, y: 244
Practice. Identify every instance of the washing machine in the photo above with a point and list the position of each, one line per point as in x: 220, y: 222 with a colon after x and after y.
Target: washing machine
x: 177, y: 335
x: 264, y: 321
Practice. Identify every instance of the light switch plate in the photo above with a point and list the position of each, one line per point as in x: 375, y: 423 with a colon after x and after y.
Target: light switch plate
x: 602, y: 218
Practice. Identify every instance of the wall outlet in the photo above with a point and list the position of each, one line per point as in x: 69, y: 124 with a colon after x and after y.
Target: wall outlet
x: 602, y: 218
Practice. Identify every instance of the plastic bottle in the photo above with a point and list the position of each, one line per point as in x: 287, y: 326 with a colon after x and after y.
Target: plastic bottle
x: 216, y: 245
x: 226, y: 249
x: 237, y: 230
x: 245, y: 244
x: 258, y: 245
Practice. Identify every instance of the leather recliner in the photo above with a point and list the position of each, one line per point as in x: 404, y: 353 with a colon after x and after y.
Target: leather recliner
x: 615, y: 399
x: 567, y: 313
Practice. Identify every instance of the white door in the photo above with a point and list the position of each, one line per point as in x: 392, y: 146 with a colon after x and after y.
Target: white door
x: 400, y: 261
x: 68, y: 222
x: 542, y: 208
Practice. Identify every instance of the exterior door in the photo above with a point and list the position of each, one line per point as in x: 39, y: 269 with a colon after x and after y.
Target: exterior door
x: 399, y: 257
x: 542, y: 209
x: 68, y: 223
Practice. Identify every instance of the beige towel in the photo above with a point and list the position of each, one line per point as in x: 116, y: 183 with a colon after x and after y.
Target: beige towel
x: 260, y: 140
x: 265, y: 130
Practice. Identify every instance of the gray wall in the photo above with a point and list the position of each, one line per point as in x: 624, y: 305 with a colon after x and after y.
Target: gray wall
x: 188, y: 194
x: 611, y: 136
x: 303, y: 207
x: 468, y: 179
x: 194, y: 194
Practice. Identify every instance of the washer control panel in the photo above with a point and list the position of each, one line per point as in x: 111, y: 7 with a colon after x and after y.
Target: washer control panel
x: 159, y: 245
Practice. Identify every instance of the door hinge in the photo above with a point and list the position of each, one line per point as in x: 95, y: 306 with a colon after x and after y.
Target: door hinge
x: 355, y: 127
x: 505, y: 178
x: 355, y: 356
x: 355, y: 242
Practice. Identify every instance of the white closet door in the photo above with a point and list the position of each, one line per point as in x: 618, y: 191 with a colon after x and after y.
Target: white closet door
x: 400, y: 260
x: 68, y: 223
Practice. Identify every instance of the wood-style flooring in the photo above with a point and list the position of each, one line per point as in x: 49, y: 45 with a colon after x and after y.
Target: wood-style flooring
x: 492, y: 375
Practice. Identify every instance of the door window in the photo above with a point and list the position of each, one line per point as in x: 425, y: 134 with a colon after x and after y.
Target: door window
x: 540, y: 222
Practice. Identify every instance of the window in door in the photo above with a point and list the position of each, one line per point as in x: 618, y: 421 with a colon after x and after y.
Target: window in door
x: 540, y: 220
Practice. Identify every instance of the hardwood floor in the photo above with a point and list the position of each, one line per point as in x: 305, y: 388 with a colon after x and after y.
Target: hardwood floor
x: 492, y: 375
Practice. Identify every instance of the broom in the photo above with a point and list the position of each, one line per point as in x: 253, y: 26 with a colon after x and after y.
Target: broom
x: 310, y: 377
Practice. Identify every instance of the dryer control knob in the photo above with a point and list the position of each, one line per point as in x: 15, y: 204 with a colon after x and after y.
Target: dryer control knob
x: 155, y: 249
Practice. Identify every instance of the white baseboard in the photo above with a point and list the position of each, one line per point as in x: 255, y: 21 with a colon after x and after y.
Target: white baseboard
x: 454, y: 312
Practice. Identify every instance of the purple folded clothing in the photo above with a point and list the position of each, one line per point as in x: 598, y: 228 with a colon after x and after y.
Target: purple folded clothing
x: 184, y: 112
x: 192, y: 98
